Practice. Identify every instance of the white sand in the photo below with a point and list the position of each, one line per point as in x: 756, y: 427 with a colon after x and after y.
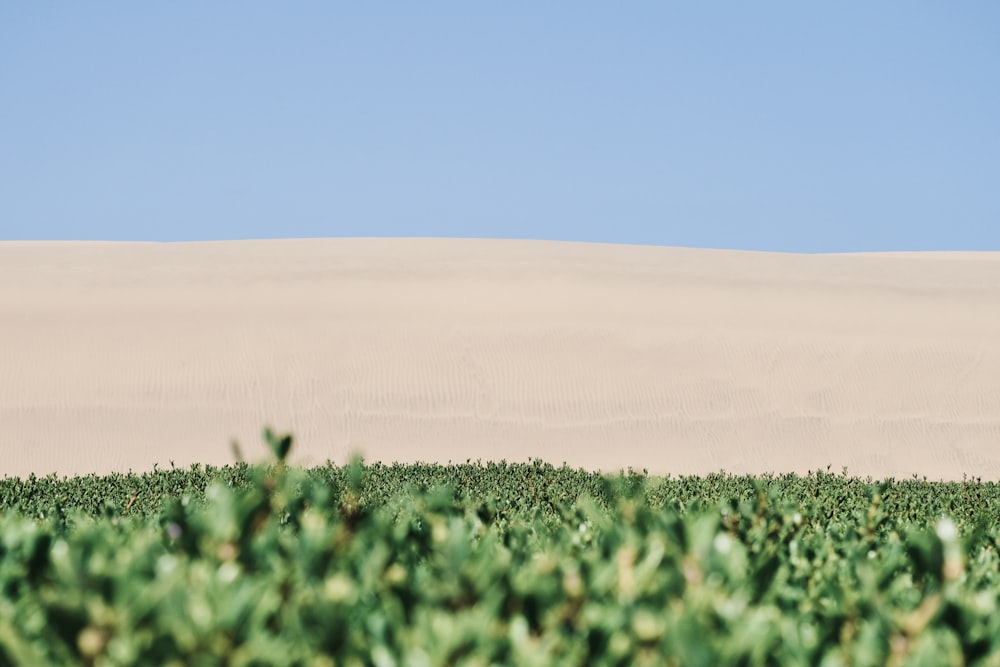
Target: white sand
x: 118, y: 356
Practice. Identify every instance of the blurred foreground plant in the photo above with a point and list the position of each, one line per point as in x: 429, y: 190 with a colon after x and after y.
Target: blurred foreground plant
x: 503, y: 565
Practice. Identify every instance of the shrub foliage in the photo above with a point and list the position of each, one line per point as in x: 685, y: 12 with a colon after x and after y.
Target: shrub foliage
x: 495, y: 564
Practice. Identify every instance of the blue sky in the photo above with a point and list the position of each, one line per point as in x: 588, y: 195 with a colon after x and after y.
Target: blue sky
x: 803, y: 127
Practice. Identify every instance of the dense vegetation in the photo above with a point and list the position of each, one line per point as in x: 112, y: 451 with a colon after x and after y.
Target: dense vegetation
x: 495, y: 564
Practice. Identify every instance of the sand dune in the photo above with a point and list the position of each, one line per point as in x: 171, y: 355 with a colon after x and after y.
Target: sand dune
x: 118, y: 356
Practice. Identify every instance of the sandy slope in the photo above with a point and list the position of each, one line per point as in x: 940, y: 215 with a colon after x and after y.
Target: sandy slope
x: 121, y: 355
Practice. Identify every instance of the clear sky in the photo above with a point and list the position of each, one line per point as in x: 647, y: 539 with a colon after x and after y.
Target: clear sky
x: 787, y: 126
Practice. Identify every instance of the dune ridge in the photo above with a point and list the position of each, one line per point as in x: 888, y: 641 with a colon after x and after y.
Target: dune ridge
x: 120, y: 355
